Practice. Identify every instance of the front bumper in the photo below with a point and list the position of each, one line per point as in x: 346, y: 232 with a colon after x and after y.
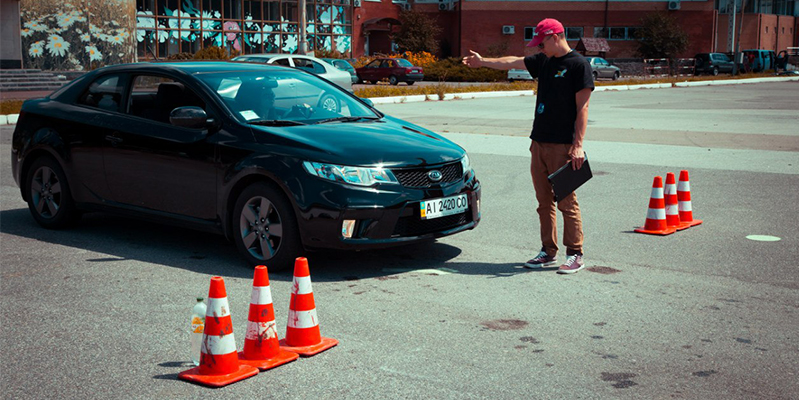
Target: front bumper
x: 383, y: 218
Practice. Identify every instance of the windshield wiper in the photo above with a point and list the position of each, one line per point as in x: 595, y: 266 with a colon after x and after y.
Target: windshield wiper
x: 276, y: 122
x: 347, y: 119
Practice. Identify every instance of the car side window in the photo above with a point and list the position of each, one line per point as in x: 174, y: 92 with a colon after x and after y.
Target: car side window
x: 373, y: 64
x: 105, y: 93
x: 282, y: 61
x: 385, y: 64
x: 309, y: 65
x: 154, y: 97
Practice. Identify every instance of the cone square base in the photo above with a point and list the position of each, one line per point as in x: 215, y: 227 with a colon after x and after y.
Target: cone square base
x: 282, y: 357
x: 193, y: 376
x: 691, y: 223
x: 307, y: 351
x: 667, y: 231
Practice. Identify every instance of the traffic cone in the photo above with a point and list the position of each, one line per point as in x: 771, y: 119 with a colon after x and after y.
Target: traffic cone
x: 684, y: 198
x: 302, y: 331
x: 219, y: 361
x: 261, y: 347
x: 672, y: 215
x: 656, y: 215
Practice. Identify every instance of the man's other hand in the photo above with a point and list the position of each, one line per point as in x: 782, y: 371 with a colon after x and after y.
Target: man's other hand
x: 577, y: 156
x: 475, y: 60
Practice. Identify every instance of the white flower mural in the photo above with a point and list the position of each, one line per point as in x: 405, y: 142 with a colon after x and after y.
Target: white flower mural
x: 57, y: 47
x: 94, y: 54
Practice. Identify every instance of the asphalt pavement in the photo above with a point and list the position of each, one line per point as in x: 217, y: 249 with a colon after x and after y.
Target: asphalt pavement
x: 102, y: 310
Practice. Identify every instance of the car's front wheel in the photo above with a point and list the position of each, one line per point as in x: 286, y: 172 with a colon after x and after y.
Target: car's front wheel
x: 393, y: 80
x: 616, y: 75
x: 409, y: 83
x: 49, y: 198
x: 595, y: 75
x: 328, y: 102
x: 266, y: 230
x: 715, y: 71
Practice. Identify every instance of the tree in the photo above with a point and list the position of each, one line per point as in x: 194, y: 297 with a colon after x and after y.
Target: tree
x: 418, y: 32
x: 661, y: 37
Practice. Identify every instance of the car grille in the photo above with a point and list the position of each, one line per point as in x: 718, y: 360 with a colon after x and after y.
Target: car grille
x: 418, y: 177
x: 414, y: 226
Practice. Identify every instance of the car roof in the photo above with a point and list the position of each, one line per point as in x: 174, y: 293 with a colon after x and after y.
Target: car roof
x: 192, y: 67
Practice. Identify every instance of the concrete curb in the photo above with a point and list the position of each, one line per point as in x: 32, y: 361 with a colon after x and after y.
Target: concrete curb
x: 11, y: 119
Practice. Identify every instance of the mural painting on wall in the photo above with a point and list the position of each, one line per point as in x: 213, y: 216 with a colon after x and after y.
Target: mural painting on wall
x: 77, y: 34
x: 167, y: 31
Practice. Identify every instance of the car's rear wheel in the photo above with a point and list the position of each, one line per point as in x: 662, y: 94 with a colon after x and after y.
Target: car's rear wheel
x: 49, y: 198
x: 409, y: 83
x: 595, y: 75
x: 266, y: 231
x: 374, y: 82
x: 329, y: 103
x: 393, y: 80
x: 715, y: 71
x: 616, y: 75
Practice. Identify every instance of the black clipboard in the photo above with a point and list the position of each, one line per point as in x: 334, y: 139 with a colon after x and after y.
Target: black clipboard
x: 566, y: 180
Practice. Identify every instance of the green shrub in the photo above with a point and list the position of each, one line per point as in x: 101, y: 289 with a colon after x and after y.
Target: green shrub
x: 322, y: 53
x: 181, y: 56
x: 212, y: 53
x: 453, y: 70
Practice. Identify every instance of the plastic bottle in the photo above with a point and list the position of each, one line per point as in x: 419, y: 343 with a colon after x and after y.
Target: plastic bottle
x: 197, y: 327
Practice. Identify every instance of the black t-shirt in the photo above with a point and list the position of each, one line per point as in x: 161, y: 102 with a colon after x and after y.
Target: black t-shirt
x: 559, y: 79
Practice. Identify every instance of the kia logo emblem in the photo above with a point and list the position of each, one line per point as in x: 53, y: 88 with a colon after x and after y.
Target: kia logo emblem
x: 435, y: 175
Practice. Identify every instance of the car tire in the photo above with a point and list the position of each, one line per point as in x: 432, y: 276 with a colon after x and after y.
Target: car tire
x: 374, y: 82
x: 49, y: 198
x: 393, y: 80
x: 616, y: 75
x: 596, y: 76
x: 409, y: 83
x: 328, y: 102
x: 252, y: 227
x: 715, y: 71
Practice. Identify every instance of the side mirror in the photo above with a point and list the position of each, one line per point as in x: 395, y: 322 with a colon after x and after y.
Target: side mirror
x: 189, y: 117
x: 368, y: 102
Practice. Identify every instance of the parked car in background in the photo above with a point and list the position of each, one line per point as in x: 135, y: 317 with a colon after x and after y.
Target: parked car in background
x: 310, y: 64
x: 759, y: 60
x: 601, y: 68
x: 240, y: 149
x: 396, y: 70
x: 712, y: 63
x: 344, y: 66
x: 519, y: 75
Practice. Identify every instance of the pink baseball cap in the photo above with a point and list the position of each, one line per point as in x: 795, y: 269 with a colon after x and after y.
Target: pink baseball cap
x: 546, y: 27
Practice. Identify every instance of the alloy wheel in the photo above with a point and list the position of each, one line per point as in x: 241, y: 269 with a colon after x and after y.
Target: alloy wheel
x: 261, y: 228
x: 46, y: 192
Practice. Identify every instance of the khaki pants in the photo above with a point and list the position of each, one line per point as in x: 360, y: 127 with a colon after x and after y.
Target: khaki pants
x: 546, y: 159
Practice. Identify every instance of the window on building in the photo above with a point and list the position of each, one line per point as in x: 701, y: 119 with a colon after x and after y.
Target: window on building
x: 574, y: 33
x: 529, y: 33
x: 601, y: 33
x: 633, y: 33
x: 617, y: 33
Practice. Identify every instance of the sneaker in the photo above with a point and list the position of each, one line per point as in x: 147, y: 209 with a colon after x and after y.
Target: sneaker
x: 573, y: 264
x: 541, y: 260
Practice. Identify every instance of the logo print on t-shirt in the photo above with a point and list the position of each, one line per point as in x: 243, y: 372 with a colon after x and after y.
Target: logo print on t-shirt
x: 540, y: 109
x: 560, y: 74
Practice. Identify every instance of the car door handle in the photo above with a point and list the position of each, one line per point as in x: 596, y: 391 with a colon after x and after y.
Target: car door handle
x: 115, y: 140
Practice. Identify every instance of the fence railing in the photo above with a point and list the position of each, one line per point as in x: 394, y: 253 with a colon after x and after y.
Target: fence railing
x: 660, y: 67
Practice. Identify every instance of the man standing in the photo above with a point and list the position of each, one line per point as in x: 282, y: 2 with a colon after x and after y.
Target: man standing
x: 565, y: 84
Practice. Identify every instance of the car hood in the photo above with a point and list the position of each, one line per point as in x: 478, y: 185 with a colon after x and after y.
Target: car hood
x: 389, y: 142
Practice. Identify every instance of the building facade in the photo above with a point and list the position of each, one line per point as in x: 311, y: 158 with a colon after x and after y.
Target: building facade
x: 84, y: 34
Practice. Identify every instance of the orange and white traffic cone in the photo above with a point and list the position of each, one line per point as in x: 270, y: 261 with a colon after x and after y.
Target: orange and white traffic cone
x: 672, y: 214
x: 656, y: 215
x: 684, y: 198
x: 219, y: 361
x: 261, y: 347
x: 302, y: 331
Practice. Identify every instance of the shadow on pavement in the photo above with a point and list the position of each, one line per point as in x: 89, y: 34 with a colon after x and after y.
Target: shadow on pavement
x: 120, y: 239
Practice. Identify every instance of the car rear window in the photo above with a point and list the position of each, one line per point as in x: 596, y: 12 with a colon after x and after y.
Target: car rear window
x: 404, y: 63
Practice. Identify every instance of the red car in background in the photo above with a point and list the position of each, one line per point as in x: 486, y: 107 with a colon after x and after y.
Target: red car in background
x: 396, y: 70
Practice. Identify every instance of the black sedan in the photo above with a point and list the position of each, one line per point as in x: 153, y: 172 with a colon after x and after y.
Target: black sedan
x: 251, y: 151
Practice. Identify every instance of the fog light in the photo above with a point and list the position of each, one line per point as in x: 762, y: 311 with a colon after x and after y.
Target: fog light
x: 347, y: 228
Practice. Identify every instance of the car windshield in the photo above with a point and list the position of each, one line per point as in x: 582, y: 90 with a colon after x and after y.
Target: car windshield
x: 404, y: 63
x: 279, y: 97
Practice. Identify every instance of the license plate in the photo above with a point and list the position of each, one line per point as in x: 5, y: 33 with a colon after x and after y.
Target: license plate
x: 442, y: 207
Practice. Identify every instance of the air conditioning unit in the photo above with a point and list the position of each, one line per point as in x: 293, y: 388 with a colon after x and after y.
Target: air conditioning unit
x: 356, y: 3
x: 508, y: 29
x: 444, y: 6
x: 406, y: 6
x: 674, y: 4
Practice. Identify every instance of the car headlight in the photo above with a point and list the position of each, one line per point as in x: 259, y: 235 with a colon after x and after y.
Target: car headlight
x: 360, y: 176
x: 466, y: 164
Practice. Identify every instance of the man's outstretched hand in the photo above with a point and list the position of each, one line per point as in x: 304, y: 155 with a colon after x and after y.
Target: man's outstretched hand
x: 475, y: 60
